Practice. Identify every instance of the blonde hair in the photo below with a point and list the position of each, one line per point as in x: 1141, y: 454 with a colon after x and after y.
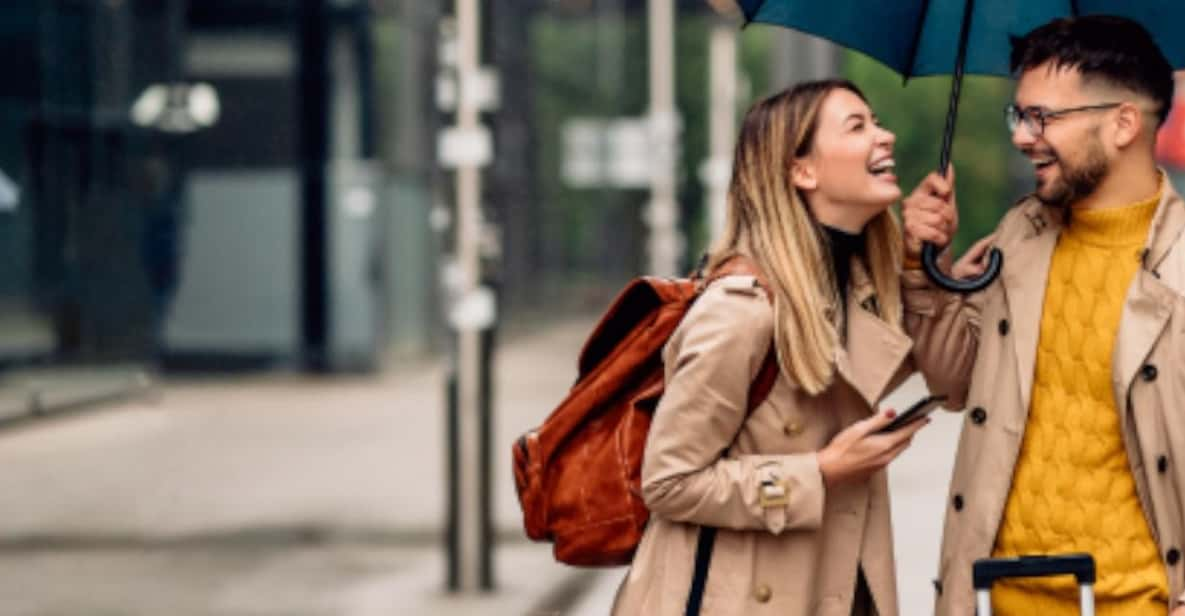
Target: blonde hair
x: 769, y: 221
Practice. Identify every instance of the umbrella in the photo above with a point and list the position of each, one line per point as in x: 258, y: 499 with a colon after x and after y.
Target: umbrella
x: 955, y: 37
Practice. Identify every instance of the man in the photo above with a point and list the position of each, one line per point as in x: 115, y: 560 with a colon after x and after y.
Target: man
x: 1072, y: 363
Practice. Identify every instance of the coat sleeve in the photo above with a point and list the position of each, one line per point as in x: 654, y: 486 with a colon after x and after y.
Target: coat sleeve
x: 712, y: 359
x: 945, y: 329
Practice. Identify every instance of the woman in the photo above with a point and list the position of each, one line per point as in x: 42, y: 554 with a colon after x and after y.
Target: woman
x: 795, y: 486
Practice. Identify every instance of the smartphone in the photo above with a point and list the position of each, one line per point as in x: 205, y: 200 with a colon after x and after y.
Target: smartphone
x: 918, y: 410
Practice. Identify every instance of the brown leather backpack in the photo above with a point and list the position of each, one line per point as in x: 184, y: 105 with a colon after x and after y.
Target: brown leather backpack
x: 579, y: 474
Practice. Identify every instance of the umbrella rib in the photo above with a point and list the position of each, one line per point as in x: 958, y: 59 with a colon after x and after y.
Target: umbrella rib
x: 917, y: 40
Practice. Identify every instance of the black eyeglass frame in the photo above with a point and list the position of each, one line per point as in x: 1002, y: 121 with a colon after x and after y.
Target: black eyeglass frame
x: 1015, y: 116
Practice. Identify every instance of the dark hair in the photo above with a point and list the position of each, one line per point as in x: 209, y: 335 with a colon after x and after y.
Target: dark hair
x: 1114, y: 49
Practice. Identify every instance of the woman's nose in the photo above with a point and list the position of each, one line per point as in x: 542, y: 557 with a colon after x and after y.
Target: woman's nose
x: 887, y: 137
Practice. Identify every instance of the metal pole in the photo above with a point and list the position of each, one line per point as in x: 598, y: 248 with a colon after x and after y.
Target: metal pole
x: 662, y: 217
x: 796, y: 56
x: 722, y: 101
x: 314, y: 145
x: 471, y: 540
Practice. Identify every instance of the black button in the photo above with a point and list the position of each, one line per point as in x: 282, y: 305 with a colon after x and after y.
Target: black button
x: 938, y: 586
x: 1162, y: 464
x: 1149, y: 372
x: 957, y: 501
x: 1173, y: 557
x: 978, y: 415
x: 1003, y: 327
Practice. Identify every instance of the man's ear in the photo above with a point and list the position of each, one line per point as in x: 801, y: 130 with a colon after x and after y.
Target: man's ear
x: 802, y: 174
x: 1130, y: 123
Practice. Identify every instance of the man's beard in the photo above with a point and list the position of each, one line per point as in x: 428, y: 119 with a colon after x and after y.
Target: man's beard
x: 1079, y: 181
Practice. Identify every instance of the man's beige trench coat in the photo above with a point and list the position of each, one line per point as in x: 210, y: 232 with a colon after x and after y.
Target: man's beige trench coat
x: 987, y: 343
x: 798, y: 558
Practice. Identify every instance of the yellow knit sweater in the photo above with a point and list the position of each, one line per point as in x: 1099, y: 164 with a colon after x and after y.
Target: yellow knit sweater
x: 1073, y: 490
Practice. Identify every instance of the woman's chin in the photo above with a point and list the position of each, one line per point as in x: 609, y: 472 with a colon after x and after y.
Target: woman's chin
x: 885, y: 197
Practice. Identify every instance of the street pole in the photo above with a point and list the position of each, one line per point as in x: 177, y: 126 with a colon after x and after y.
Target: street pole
x: 469, y: 550
x: 800, y: 57
x: 313, y: 51
x: 665, y: 243
x: 722, y: 103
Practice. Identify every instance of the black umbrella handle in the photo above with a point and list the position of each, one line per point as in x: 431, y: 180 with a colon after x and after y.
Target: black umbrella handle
x: 929, y: 250
x: 956, y: 285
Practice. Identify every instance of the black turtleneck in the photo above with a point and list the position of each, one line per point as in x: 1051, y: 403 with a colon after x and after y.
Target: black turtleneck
x: 843, y: 246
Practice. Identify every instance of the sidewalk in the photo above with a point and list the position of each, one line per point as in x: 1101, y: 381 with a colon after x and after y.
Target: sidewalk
x: 269, y: 495
x: 291, y: 495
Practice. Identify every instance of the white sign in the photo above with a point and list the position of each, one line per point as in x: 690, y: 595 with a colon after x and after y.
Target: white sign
x: 583, y: 144
x: 481, y: 88
x: 617, y: 153
x: 630, y: 155
x: 475, y: 310
x: 465, y: 147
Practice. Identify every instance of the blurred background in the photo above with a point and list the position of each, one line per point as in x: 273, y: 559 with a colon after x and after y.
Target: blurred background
x: 284, y: 279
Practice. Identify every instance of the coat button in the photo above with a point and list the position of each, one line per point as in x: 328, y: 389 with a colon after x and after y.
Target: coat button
x: 1003, y: 327
x: 762, y: 593
x: 1173, y: 557
x: 792, y: 428
x: 1162, y: 464
x: 1149, y: 372
x: 978, y: 415
x: 957, y: 501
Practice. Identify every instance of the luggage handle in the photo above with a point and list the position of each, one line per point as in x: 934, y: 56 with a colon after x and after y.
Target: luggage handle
x: 986, y: 571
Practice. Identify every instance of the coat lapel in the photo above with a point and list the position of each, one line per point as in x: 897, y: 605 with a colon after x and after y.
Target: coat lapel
x: 1149, y: 301
x: 874, y: 351
x: 1024, y: 277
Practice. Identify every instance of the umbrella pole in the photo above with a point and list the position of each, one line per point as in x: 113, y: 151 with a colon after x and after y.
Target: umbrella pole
x: 956, y: 88
x: 929, y: 250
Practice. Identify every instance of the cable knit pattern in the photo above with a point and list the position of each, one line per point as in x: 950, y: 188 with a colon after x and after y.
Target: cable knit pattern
x: 1073, y: 490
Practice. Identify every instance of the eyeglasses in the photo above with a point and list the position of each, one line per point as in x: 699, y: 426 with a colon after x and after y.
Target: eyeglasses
x: 1034, y: 118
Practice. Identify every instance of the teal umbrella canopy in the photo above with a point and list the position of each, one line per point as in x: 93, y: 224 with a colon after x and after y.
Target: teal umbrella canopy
x: 921, y: 37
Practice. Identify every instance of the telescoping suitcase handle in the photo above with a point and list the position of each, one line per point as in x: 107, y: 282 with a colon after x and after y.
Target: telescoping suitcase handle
x: 986, y: 571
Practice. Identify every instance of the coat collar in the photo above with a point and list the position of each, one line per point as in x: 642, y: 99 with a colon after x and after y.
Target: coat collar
x: 1149, y: 301
x: 874, y: 350
x: 1167, y: 225
x: 1146, y: 308
x: 1024, y: 277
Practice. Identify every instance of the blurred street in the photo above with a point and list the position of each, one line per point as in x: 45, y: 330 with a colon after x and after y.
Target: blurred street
x: 293, y: 495
x: 267, y: 495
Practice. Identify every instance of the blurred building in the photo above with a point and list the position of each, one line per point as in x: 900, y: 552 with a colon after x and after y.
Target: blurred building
x: 190, y: 182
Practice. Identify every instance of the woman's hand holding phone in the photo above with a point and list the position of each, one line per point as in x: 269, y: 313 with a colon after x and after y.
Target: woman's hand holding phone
x: 862, y: 448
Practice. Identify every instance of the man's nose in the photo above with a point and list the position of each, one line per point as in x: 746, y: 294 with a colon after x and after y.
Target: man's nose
x: 1022, y: 137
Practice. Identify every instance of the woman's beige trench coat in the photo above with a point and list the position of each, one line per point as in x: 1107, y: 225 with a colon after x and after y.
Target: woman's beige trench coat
x: 794, y: 558
x: 986, y: 345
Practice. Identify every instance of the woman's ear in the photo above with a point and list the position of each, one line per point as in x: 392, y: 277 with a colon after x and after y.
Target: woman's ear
x: 802, y: 174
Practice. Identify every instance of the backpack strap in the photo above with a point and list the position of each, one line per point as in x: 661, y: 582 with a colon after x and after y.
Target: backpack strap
x: 738, y: 265
x: 758, y: 392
